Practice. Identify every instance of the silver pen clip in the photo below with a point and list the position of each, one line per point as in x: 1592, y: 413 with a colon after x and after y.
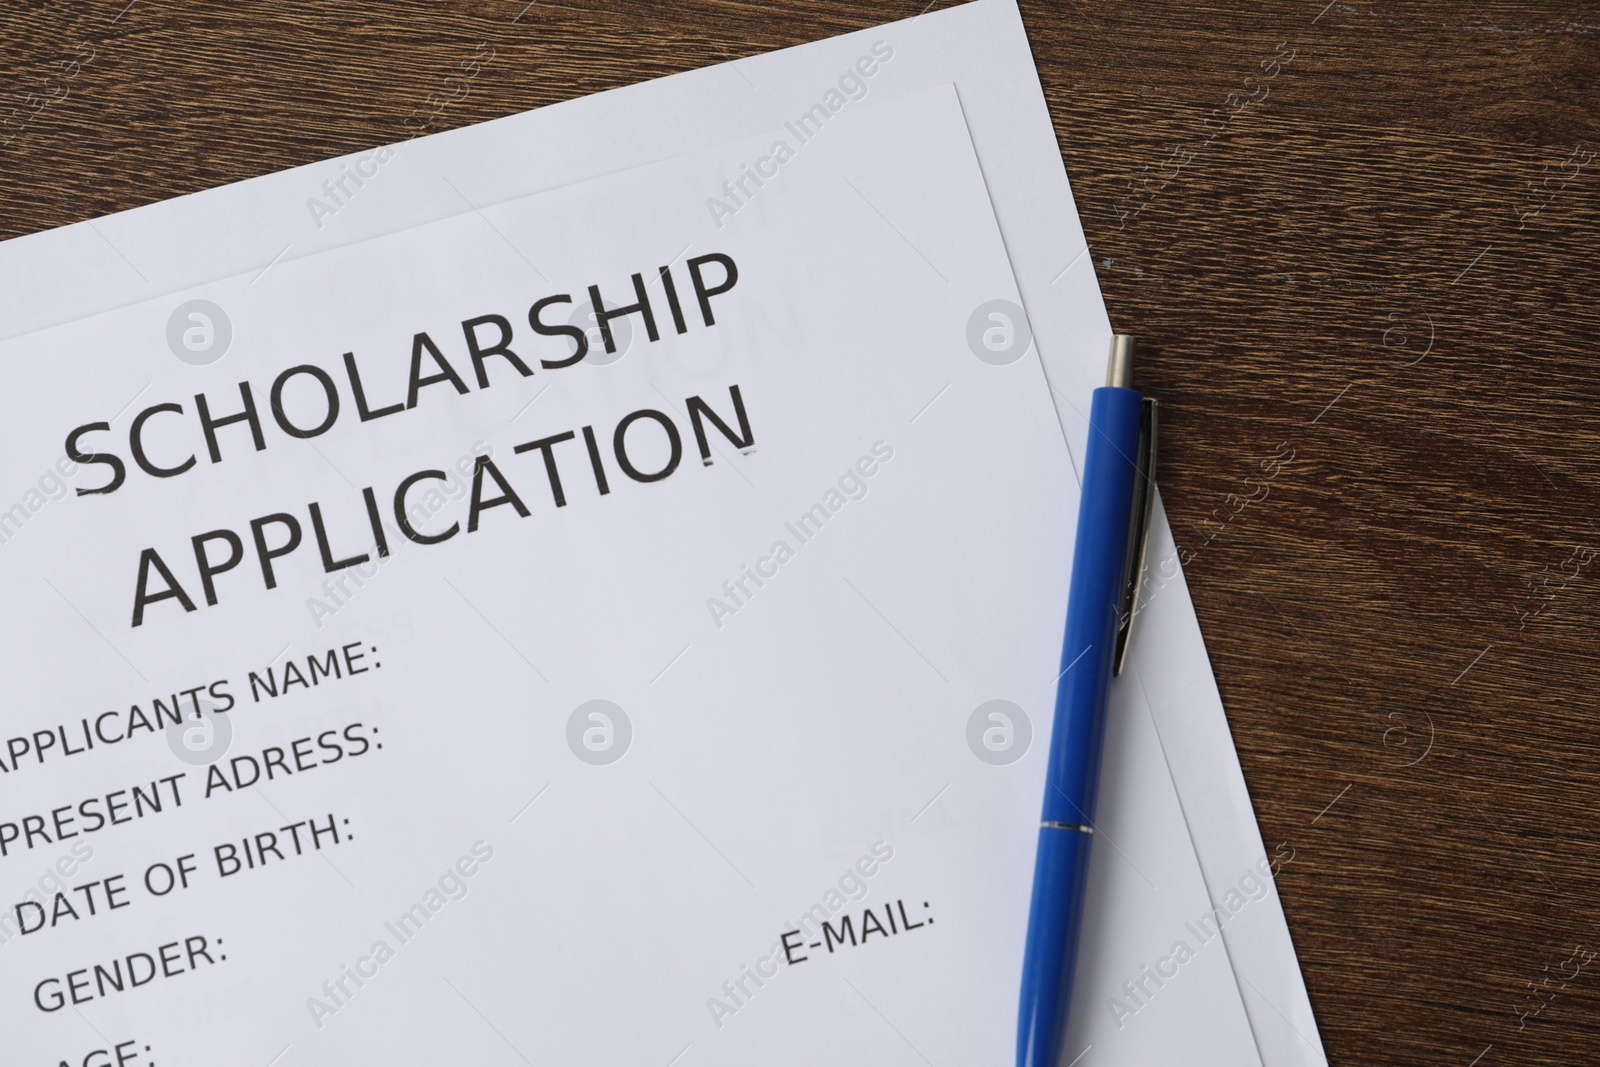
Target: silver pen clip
x: 1143, y: 504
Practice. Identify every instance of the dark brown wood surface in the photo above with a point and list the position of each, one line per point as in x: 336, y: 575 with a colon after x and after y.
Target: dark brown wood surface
x: 1363, y: 236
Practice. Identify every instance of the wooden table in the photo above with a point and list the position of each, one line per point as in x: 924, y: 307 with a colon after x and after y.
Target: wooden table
x: 1359, y: 243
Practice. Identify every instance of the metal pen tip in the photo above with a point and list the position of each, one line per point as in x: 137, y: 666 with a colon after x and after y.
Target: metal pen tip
x: 1120, y: 371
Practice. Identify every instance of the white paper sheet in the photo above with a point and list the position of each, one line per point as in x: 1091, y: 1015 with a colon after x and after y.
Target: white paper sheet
x: 772, y: 738
x: 69, y: 273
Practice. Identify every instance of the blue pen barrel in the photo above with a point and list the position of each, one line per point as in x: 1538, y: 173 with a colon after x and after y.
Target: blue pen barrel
x: 1094, y: 601
x: 1099, y: 571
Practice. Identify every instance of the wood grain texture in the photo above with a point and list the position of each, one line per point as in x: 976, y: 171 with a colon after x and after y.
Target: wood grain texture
x: 1321, y: 222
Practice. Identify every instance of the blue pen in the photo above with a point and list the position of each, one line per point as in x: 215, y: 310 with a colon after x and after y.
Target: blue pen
x: 1118, y: 490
